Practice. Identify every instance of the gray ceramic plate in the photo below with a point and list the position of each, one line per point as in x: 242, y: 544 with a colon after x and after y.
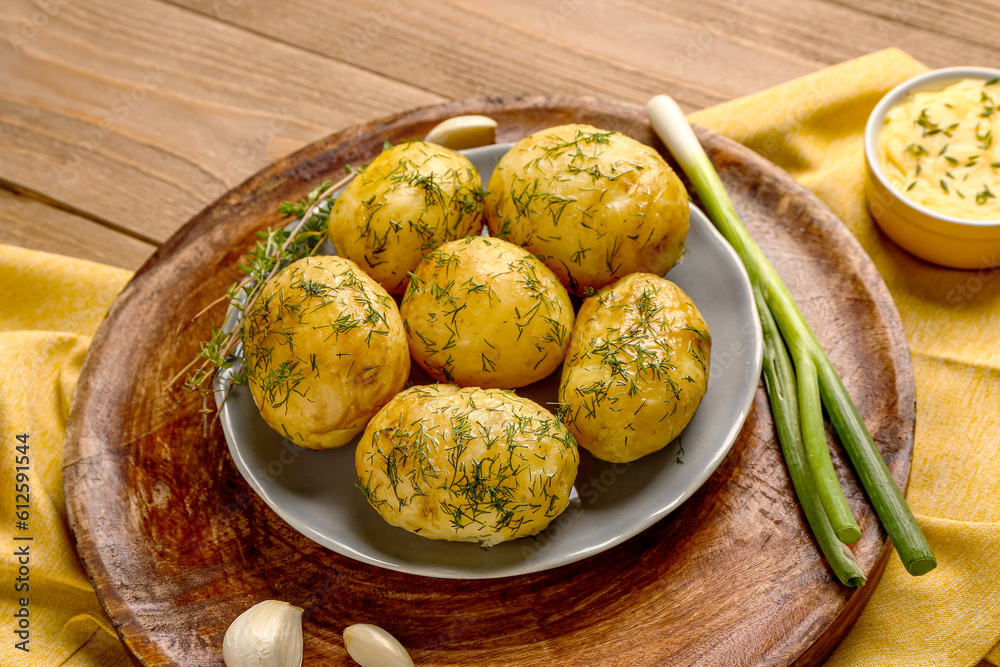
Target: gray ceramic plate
x: 314, y: 491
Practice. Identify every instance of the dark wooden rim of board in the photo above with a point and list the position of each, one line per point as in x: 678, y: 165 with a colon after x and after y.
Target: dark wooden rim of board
x: 177, y: 545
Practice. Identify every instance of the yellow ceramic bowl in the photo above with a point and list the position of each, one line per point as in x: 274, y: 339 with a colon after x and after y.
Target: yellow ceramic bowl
x: 933, y: 236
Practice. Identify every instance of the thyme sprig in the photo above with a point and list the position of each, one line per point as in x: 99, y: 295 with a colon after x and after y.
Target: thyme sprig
x: 274, y: 249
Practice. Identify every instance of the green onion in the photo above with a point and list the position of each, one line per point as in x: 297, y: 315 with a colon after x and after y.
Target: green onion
x: 831, y: 495
x: 779, y: 376
x: 814, y: 374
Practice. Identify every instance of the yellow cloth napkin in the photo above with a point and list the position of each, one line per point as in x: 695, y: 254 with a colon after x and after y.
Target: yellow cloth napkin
x: 812, y: 127
x: 50, y: 306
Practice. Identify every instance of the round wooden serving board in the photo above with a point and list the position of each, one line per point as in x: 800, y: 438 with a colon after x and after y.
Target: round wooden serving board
x: 178, y: 545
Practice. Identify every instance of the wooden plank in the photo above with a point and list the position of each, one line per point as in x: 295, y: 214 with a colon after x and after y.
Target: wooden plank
x: 676, y: 49
x: 972, y: 23
x: 461, y: 49
x: 30, y: 223
x: 702, y: 53
x: 825, y: 31
x: 141, y: 113
x: 108, y: 131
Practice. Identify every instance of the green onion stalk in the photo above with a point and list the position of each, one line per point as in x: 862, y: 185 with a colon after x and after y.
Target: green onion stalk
x: 779, y: 379
x: 806, y: 390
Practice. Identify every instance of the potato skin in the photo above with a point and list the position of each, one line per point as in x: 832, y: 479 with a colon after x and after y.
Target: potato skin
x: 636, y: 369
x: 324, y: 350
x: 466, y: 465
x: 594, y: 205
x: 482, y: 312
x: 410, y: 199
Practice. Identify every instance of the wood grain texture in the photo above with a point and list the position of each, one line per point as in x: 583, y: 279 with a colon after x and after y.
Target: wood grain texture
x: 238, y: 83
x: 30, y: 223
x: 461, y: 48
x: 972, y: 24
x: 819, y: 32
x: 139, y: 113
x: 178, y: 545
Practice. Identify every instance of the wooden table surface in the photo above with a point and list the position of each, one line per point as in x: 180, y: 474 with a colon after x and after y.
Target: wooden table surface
x: 121, y: 119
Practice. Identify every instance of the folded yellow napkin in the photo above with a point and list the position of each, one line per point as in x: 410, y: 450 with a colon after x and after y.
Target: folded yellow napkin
x: 812, y: 127
x: 50, y: 306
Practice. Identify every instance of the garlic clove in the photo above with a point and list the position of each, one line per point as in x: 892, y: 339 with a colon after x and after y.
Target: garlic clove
x: 371, y: 646
x: 463, y: 132
x: 268, y: 634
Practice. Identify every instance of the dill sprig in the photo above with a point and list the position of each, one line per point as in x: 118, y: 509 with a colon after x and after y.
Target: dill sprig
x: 273, y: 250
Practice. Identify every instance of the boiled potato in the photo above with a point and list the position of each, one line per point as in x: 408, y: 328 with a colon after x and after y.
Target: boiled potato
x: 636, y: 369
x: 323, y: 349
x: 482, y: 312
x: 410, y: 199
x: 466, y: 465
x: 594, y: 205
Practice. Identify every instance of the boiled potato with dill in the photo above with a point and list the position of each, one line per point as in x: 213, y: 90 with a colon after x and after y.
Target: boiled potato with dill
x: 323, y: 350
x: 410, y: 199
x: 482, y: 312
x: 466, y: 465
x: 636, y: 369
x: 594, y: 205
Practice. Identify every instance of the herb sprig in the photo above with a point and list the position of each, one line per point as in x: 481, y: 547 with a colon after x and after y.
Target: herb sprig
x: 274, y: 249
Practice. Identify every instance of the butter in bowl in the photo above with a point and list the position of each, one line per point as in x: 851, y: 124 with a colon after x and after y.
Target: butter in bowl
x: 932, y: 149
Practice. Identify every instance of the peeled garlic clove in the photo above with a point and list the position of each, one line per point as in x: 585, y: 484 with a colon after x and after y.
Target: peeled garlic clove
x: 463, y: 132
x: 371, y: 646
x: 268, y: 634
